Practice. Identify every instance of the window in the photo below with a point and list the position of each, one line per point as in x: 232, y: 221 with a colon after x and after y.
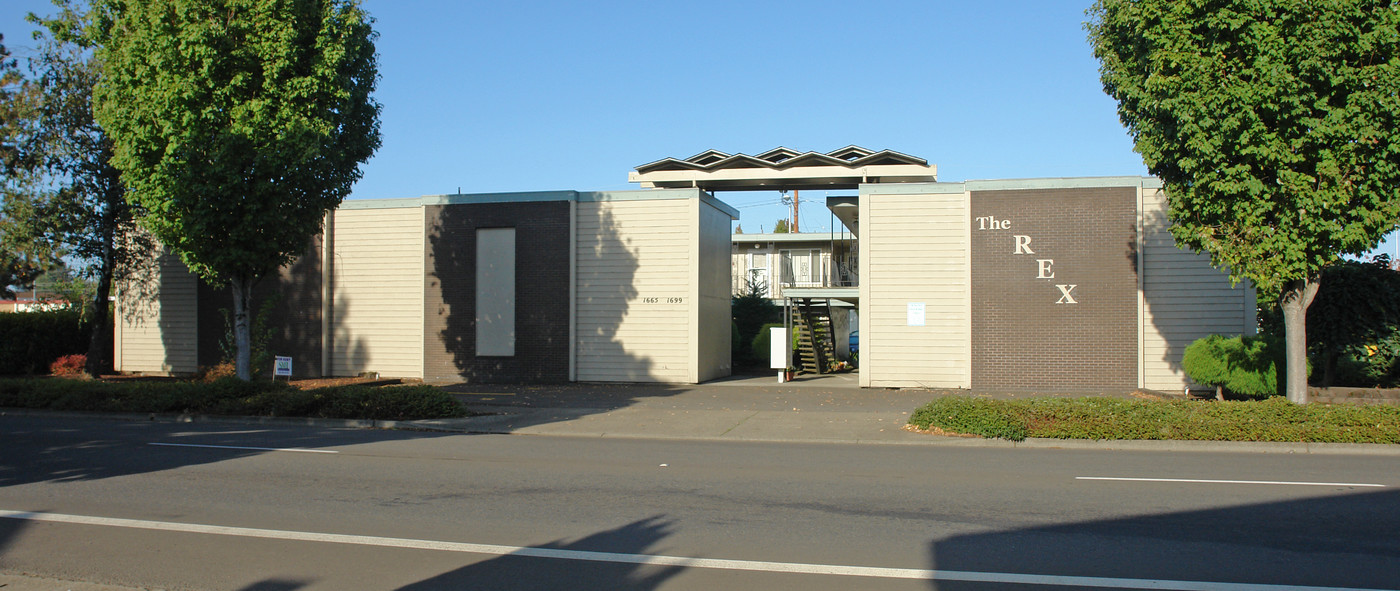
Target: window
x: 801, y: 266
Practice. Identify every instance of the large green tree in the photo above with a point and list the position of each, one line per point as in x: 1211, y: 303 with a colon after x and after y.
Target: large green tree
x: 21, y: 261
x: 1272, y: 124
x: 237, y: 125
x: 75, y: 206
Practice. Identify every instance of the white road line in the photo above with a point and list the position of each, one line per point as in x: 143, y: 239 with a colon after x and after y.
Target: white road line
x: 296, y: 449
x: 661, y: 560
x: 1199, y: 481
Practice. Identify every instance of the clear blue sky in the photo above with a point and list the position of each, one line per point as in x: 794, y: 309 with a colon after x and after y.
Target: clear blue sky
x: 530, y: 95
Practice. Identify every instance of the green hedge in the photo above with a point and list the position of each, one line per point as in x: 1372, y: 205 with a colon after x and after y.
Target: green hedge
x: 1273, y: 419
x: 31, y: 341
x: 231, y: 396
x: 1248, y: 366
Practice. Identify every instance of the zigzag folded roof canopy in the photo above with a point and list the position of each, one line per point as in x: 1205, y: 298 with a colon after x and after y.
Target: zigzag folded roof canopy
x: 781, y: 168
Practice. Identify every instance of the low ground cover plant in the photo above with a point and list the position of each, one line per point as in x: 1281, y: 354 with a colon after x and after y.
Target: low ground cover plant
x: 1273, y: 419
x: 230, y: 396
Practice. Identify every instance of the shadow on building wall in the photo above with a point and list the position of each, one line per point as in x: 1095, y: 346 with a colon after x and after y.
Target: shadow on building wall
x: 141, y: 309
x: 608, y: 280
x: 1184, y: 296
x: 523, y: 570
x: 1346, y: 540
x: 288, y: 301
x: 606, y: 271
x: 541, y: 293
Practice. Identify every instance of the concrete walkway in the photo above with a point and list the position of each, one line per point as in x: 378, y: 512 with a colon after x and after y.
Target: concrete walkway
x: 817, y: 409
x: 827, y: 408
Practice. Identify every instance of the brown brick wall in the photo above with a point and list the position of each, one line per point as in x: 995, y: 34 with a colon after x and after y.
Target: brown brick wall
x: 541, y: 293
x: 1022, y: 339
x: 294, y: 316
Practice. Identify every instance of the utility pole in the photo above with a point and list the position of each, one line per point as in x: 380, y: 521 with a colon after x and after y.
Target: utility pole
x: 795, y: 194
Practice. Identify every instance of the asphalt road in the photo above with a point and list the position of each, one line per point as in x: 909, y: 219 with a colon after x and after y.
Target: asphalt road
x: 207, y: 506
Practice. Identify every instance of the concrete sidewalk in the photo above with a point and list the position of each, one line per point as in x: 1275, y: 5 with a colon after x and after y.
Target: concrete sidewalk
x: 821, y: 409
x: 825, y: 408
x: 818, y: 409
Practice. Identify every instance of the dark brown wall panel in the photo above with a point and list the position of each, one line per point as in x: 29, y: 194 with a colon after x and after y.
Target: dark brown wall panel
x: 1060, y: 314
x: 541, y: 293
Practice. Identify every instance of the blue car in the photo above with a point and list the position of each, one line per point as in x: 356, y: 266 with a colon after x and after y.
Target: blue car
x: 855, y: 344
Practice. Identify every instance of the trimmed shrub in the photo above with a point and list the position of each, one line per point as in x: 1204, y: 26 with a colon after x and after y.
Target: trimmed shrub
x: 1248, y: 366
x: 224, y: 369
x: 388, y: 403
x: 762, y: 344
x: 1374, y: 365
x: 68, y: 365
x: 31, y: 341
x: 750, y: 310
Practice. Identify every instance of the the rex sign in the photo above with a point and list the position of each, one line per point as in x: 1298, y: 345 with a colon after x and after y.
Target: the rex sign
x: 1054, y: 288
x: 1044, y: 268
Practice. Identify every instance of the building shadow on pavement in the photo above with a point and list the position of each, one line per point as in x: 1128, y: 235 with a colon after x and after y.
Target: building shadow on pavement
x: 1347, y: 540
x: 518, y: 572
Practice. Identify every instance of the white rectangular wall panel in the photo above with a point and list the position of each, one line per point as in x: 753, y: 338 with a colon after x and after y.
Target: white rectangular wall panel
x: 495, y: 292
x: 914, y: 255
x: 634, y: 291
x: 1184, y: 299
x: 377, y: 282
x: 156, y: 323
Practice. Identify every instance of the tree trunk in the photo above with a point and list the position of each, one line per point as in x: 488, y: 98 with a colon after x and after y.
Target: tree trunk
x: 1297, y: 296
x: 99, y: 354
x: 242, y: 297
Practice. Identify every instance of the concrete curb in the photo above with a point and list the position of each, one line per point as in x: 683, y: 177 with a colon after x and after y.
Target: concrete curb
x: 493, y: 425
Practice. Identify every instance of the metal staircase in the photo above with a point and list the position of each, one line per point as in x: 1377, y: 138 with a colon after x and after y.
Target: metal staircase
x: 816, y: 341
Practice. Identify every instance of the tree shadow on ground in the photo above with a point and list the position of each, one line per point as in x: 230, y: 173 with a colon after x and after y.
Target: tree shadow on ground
x: 276, y: 585
x: 522, y: 572
x: 61, y: 449
x: 1347, y: 540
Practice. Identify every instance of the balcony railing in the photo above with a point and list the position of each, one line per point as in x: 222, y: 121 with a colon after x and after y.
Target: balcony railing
x: 835, y: 275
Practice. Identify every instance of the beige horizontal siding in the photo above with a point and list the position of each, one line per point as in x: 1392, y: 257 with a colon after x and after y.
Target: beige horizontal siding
x: 712, y: 336
x: 377, y: 310
x: 914, y: 248
x: 1184, y: 299
x: 157, y: 319
x: 628, y: 251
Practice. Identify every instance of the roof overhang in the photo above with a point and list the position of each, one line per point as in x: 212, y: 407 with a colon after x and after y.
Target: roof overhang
x: 784, y: 169
x: 846, y: 209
